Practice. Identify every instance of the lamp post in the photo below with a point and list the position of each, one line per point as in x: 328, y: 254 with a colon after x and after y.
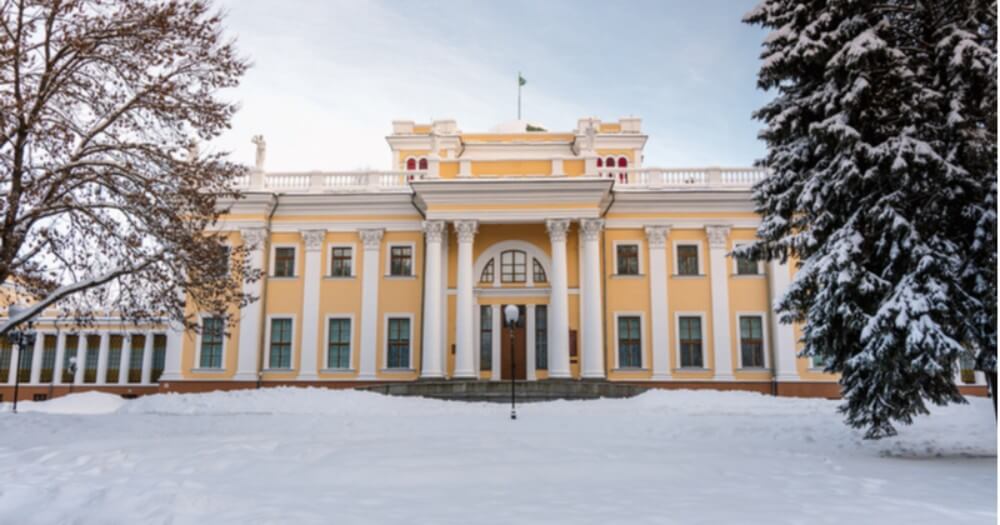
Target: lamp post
x: 511, y: 313
x: 23, y: 338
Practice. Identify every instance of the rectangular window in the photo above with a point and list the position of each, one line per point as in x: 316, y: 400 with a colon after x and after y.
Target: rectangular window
x: 159, y: 356
x: 24, y: 363
x: 48, y: 359
x: 398, y: 352
x: 69, y: 357
x: 212, y: 334
x: 629, y: 343
x: 284, y: 261
x: 485, y: 337
x: 752, y: 341
x: 114, y: 358
x: 513, y: 266
x: 746, y: 266
x: 90, y: 360
x: 5, y: 358
x: 401, y: 261
x: 338, y: 348
x: 135, y: 359
x: 628, y: 259
x: 541, y: 337
x: 340, y: 261
x: 689, y: 334
x: 281, y: 344
x: 687, y: 259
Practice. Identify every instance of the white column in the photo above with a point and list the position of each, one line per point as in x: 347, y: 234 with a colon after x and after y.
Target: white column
x: 57, y: 370
x: 125, y: 361
x: 370, y: 277
x: 718, y: 237
x: 147, y: 358
x: 250, y: 319
x: 783, y: 337
x: 464, y: 338
x: 102, y: 358
x: 308, y: 365
x: 497, y: 328
x: 81, y: 358
x: 15, y: 352
x: 432, y: 352
x: 531, y: 353
x: 558, y: 327
x: 172, y: 360
x: 656, y: 239
x: 36, y: 359
x: 592, y: 329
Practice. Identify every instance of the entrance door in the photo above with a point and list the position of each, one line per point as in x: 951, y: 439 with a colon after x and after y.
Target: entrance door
x: 518, y: 352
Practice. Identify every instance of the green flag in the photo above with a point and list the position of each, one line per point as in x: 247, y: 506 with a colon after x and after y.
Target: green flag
x: 520, y: 80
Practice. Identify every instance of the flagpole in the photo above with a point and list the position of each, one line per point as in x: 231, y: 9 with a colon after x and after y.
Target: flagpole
x: 518, y: 95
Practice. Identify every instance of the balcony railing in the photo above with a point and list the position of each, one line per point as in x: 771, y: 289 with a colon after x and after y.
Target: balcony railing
x: 399, y: 181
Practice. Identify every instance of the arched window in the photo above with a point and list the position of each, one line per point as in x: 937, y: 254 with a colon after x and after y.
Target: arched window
x: 622, y: 176
x: 538, y: 272
x: 487, y: 275
x: 600, y: 162
x: 513, y: 266
x: 423, y: 164
x: 411, y: 164
x: 609, y: 163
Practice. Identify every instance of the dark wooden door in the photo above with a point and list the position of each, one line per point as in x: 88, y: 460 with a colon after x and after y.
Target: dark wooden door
x: 519, y: 352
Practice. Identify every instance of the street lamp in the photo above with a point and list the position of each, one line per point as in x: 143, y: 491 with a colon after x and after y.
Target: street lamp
x: 23, y: 338
x: 511, y: 313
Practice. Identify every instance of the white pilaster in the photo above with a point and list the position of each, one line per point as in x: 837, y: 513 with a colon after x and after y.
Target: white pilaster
x: 558, y: 327
x: 36, y: 359
x: 496, y: 327
x: 125, y: 361
x: 531, y: 353
x: 313, y: 240
x: 592, y: 329
x: 81, y: 358
x: 464, y: 337
x: 718, y: 237
x: 172, y: 360
x: 57, y: 369
x: 250, y: 319
x: 102, y: 358
x: 656, y: 239
x: 783, y: 337
x: 147, y: 358
x: 372, y: 241
x: 432, y: 353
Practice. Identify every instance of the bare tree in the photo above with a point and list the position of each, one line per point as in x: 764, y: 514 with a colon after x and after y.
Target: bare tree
x: 106, y: 206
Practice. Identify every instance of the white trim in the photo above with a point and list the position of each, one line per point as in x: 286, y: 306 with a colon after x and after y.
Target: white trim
x: 329, y: 260
x: 677, y: 341
x: 197, y: 342
x: 493, y: 253
x: 614, y: 259
x: 273, y: 259
x: 388, y: 258
x: 642, y: 340
x: 764, y: 337
x: 385, y: 341
x: 735, y: 262
x: 267, y: 344
x: 326, y: 343
x: 675, y: 266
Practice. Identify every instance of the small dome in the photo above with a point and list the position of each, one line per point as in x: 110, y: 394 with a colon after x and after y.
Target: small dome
x: 517, y: 126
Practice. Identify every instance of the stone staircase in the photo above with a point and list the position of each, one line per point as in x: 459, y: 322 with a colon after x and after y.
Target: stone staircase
x: 499, y: 391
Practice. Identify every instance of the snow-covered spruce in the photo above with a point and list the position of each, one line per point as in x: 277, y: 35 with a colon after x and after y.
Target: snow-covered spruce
x: 882, y: 142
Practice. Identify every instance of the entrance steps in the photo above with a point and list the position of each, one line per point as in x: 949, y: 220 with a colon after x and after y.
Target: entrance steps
x: 499, y: 391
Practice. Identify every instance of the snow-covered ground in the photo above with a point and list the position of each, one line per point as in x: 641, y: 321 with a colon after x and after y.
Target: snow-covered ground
x: 321, y: 456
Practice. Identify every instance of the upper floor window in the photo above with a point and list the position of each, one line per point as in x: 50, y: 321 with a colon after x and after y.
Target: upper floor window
x: 746, y: 266
x: 411, y: 164
x: 487, y: 275
x: 401, y: 261
x: 615, y: 162
x: 340, y: 261
x: 687, y: 259
x: 538, y: 271
x: 422, y: 165
x: 513, y: 266
x: 628, y: 259
x: 284, y: 261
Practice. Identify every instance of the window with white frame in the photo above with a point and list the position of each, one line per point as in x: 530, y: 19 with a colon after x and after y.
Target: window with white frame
x: 627, y: 259
x: 629, y: 342
x: 338, y: 346
x: 341, y: 261
x: 401, y: 261
x: 689, y: 338
x: 398, y: 343
x: 513, y: 266
x: 744, y: 265
x: 284, y: 261
x: 752, y: 341
x: 687, y: 259
x: 280, y: 351
x: 212, y: 335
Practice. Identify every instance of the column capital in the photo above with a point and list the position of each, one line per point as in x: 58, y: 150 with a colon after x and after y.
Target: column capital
x: 466, y: 230
x: 557, y: 229
x: 372, y: 239
x: 433, y: 230
x: 657, y: 236
x: 591, y: 228
x: 313, y: 239
x: 718, y: 234
x: 254, y: 237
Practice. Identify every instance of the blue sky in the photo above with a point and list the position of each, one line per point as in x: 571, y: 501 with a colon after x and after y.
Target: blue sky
x: 329, y: 77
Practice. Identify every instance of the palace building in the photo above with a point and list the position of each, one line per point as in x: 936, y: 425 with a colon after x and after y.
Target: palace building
x: 621, y: 272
